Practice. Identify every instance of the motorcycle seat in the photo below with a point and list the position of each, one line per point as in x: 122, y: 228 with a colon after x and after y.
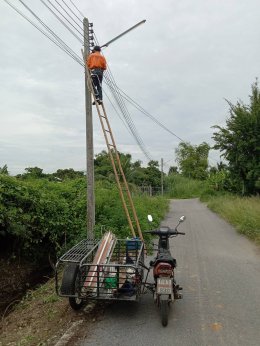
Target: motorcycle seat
x: 164, y: 256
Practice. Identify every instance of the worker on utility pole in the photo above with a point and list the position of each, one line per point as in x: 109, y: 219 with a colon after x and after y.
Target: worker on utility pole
x: 97, y: 65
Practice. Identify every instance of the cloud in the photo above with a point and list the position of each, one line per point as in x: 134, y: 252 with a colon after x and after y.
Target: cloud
x: 179, y: 65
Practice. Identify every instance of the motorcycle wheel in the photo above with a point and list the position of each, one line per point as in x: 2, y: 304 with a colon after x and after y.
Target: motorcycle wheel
x: 164, y: 310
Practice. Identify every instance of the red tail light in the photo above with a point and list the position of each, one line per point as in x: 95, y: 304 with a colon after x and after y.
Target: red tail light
x: 164, y: 269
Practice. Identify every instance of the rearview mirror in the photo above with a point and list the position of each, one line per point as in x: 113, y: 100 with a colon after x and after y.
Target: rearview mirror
x: 182, y: 218
x: 150, y: 218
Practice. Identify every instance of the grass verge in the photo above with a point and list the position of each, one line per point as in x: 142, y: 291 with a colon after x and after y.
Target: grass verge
x: 241, y: 212
x: 41, y: 318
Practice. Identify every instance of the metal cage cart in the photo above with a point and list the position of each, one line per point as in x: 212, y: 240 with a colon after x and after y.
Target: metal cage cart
x: 92, y: 270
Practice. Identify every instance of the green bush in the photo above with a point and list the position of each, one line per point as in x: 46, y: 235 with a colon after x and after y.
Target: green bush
x: 38, y: 217
x: 177, y: 186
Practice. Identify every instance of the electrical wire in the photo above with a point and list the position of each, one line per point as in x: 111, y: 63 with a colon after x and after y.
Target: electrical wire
x: 77, y: 9
x: 110, y: 82
x: 61, y: 21
x: 43, y: 32
x: 125, y: 112
x: 65, y: 17
x: 117, y: 93
x: 122, y: 119
x: 120, y: 102
x: 142, y: 110
x: 68, y: 14
x: 52, y: 32
x: 71, y: 10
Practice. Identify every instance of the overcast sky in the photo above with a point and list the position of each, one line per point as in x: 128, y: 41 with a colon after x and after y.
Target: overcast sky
x: 179, y: 66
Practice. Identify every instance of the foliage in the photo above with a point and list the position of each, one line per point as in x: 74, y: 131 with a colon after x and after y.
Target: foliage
x: 38, y: 217
x: 193, y: 160
x: 68, y: 173
x: 220, y: 180
x: 4, y: 170
x: 110, y: 213
x: 242, y: 212
x: 178, y: 186
x: 34, y: 172
x: 239, y: 143
x: 153, y: 174
x: 103, y: 167
x: 133, y: 171
x: 173, y: 170
x: 60, y: 174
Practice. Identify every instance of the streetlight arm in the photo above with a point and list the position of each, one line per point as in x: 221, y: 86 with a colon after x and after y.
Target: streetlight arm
x: 123, y: 33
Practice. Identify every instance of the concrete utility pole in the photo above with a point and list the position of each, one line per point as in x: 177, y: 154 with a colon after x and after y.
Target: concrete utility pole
x: 162, y: 175
x: 89, y: 143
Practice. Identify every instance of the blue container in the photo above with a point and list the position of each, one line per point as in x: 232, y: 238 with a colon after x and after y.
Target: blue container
x: 133, y: 244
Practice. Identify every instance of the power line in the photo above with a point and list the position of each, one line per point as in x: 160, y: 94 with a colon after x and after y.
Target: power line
x: 142, y: 110
x: 127, y: 116
x: 48, y: 29
x: 120, y: 102
x: 77, y: 9
x: 52, y: 32
x: 62, y: 22
x: 43, y: 32
x: 123, y: 121
x: 65, y: 17
x: 117, y: 93
x: 68, y: 14
x: 117, y: 96
x: 71, y: 10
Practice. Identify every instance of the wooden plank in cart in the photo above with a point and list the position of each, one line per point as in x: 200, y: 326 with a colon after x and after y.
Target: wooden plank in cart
x: 102, y: 257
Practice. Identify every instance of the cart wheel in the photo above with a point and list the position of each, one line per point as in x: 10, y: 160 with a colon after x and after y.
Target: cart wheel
x: 68, y: 284
x: 76, y: 303
x: 164, y: 309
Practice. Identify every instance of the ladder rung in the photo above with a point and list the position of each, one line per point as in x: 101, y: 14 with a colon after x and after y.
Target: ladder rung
x: 111, y: 145
x: 108, y: 131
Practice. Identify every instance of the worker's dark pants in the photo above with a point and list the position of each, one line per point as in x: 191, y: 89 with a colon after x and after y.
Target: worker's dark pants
x: 97, y: 78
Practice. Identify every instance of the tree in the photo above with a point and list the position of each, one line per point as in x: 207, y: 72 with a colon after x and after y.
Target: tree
x: 102, y: 166
x: 193, y: 160
x: 4, y: 170
x: 153, y: 164
x: 68, y: 173
x: 239, y: 143
x: 153, y: 174
x: 104, y: 169
x: 34, y: 172
x: 173, y: 170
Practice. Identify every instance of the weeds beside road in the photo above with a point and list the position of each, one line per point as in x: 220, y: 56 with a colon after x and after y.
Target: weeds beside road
x: 242, y: 212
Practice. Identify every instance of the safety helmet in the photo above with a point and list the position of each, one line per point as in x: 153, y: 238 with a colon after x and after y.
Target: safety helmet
x: 96, y: 49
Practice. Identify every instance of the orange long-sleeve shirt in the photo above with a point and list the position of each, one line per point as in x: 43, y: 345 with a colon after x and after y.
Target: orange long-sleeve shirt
x: 96, y: 60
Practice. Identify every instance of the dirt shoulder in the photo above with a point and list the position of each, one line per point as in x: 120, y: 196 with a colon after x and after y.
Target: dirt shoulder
x: 42, y: 317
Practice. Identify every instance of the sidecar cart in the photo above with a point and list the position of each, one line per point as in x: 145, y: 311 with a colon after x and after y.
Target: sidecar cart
x: 106, y: 269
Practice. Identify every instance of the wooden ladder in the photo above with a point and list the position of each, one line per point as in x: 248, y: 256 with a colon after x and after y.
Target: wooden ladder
x: 122, y: 184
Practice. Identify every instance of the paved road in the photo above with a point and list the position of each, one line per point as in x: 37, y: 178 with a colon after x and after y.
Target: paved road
x: 220, y: 273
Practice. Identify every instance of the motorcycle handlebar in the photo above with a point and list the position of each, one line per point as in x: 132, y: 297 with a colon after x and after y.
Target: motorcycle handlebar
x: 169, y: 232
